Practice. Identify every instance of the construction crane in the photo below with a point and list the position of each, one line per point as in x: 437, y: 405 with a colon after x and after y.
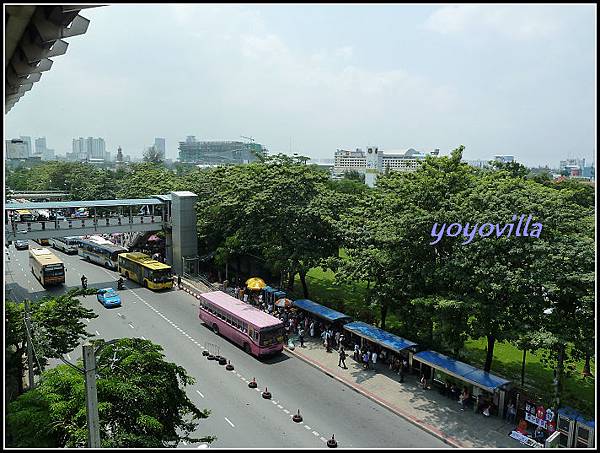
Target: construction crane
x: 259, y: 156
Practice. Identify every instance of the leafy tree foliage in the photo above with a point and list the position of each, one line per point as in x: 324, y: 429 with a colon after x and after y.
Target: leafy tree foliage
x: 57, y: 328
x: 153, y: 155
x: 142, y: 403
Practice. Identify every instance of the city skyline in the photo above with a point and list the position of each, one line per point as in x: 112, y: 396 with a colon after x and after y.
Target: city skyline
x: 392, y: 76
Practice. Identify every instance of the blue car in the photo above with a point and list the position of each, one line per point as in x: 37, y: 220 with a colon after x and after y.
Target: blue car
x: 109, y: 297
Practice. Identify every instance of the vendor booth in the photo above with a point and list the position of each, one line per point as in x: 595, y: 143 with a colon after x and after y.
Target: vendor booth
x: 404, y: 349
x: 486, y: 386
x: 270, y: 295
x: 576, y: 431
x: 322, y: 312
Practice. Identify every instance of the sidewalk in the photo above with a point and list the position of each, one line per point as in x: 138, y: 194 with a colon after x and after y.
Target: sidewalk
x: 427, y: 409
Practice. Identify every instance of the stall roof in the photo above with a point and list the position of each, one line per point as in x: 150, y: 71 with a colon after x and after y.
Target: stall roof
x: 468, y: 373
x: 576, y: 415
x: 381, y: 337
x: 320, y: 310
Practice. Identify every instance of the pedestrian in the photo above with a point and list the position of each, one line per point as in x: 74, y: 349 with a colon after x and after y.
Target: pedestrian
x: 511, y: 412
x: 246, y: 298
x: 301, y: 337
x: 342, y: 360
x: 337, y: 338
x: 423, y: 382
x: 374, y: 359
x: 179, y: 281
x: 312, y: 329
x: 356, y: 352
x: 342, y: 339
x: 462, y: 399
x: 366, y: 360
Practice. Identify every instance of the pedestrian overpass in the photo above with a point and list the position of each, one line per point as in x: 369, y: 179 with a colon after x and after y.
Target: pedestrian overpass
x: 173, y: 213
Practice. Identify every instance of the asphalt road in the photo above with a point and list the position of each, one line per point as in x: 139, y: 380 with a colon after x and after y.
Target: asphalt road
x: 240, y: 417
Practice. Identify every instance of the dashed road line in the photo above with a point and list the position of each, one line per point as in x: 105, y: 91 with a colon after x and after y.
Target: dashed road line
x: 323, y: 439
x: 280, y: 406
x: 130, y: 325
x: 97, y: 333
x: 315, y: 433
x: 142, y: 338
x: 199, y: 393
x: 229, y: 422
x: 307, y: 427
x: 286, y: 411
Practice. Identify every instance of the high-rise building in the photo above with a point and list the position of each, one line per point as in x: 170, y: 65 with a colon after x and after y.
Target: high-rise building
x: 40, y: 146
x: 219, y: 152
x: 16, y: 149
x: 160, y: 145
x: 89, y: 148
x: 27, y: 141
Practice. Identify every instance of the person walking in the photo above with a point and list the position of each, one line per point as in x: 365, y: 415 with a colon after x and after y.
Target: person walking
x: 312, y: 329
x: 342, y: 360
x: 356, y: 352
x: 179, y: 281
x: 337, y: 339
x: 374, y: 359
x: 366, y: 360
x: 301, y: 337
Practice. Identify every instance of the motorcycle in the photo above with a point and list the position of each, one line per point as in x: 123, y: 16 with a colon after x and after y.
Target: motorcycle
x: 120, y: 284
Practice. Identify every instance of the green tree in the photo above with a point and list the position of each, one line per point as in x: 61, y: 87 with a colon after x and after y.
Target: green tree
x: 142, y: 403
x: 153, y: 155
x: 57, y: 328
x: 148, y: 178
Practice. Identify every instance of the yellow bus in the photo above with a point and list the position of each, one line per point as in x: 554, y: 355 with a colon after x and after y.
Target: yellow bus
x: 142, y: 269
x: 46, y: 267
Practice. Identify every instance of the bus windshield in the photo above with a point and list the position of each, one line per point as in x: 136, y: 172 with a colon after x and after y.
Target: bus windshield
x: 271, y: 336
x: 161, y: 276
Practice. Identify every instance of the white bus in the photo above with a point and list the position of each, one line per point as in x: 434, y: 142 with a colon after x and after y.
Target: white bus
x: 46, y: 267
x: 101, y: 252
x: 68, y: 244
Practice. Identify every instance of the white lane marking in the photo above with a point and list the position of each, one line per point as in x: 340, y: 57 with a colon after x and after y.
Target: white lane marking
x: 184, y: 442
x: 69, y: 356
x: 315, y: 433
x: 280, y: 406
x: 307, y: 427
x: 199, y: 393
x: 229, y: 422
x: 130, y: 325
x: 286, y: 411
x: 323, y: 439
x: 143, y: 338
x: 274, y: 402
x: 257, y: 389
x: 97, y: 333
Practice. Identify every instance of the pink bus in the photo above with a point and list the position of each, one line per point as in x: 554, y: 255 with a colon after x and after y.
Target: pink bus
x: 259, y: 333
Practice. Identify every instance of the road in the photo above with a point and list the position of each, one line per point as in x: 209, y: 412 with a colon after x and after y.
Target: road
x: 240, y: 417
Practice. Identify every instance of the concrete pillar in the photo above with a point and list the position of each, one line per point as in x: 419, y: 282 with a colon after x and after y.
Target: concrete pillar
x: 169, y: 247
x: 185, y: 234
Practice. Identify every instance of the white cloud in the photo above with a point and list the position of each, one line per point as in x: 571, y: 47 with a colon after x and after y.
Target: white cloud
x: 514, y: 21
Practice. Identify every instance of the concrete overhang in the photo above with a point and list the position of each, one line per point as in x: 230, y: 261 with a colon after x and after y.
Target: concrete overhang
x: 32, y: 35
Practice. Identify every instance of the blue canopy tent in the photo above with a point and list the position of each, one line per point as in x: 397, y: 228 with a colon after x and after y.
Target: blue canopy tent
x: 270, y: 294
x: 379, y: 336
x: 466, y: 373
x: 321, y: 311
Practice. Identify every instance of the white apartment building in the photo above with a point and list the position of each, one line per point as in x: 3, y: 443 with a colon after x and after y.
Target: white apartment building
x: 395, y: 160
x: 89, y: 148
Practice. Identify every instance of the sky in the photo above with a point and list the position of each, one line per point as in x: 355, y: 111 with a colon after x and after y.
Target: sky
x: 309, y: 79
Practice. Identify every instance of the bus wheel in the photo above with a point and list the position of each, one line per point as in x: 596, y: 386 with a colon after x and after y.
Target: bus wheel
x: 215, y: 329
x: 247, y: 348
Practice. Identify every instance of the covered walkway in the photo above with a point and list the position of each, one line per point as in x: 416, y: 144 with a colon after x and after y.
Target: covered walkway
x: 322, y: 312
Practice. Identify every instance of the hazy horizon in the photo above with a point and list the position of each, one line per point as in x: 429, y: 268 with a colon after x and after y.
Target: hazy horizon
x: 499, y: 79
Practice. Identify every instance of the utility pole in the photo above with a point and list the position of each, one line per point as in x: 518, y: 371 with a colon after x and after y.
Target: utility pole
x: 29, y: 345
x: 93, y: 419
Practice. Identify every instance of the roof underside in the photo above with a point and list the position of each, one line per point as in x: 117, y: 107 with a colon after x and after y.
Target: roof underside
x: 84, y: 204
x: 32, y: 35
